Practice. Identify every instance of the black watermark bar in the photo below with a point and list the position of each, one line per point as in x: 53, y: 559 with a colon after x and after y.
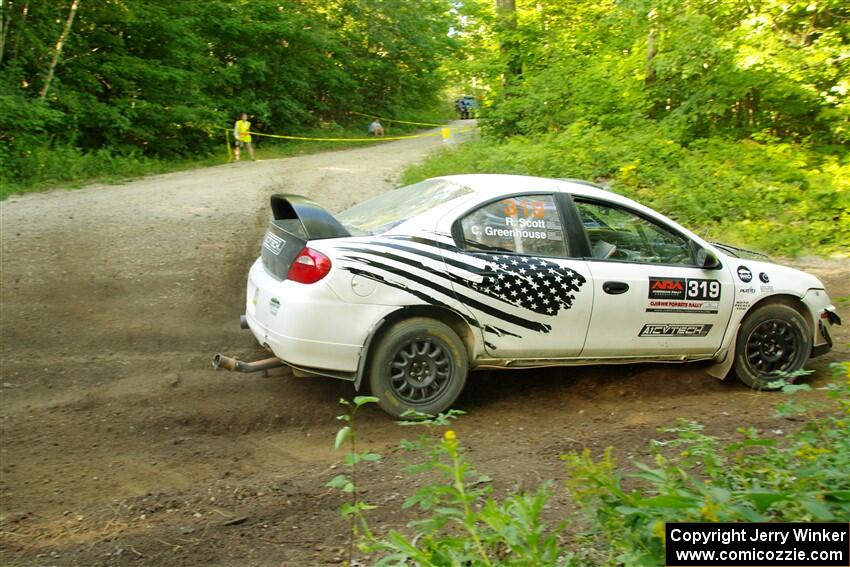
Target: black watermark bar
x: 757, y: 544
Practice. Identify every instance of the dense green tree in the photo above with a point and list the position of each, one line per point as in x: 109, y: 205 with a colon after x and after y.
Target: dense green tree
x: 729, y: 116
x: 160, y: 77
x: 701, y: 67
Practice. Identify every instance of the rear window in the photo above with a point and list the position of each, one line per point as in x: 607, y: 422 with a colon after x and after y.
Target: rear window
x: 388, y: 210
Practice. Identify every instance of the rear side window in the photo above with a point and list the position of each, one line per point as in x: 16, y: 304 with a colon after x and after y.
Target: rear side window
x: 388, y: 210
x: 529, y: 224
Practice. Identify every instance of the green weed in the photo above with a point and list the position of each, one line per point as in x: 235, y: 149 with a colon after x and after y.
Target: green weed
x: 696, y: 478
x: 799, y: 476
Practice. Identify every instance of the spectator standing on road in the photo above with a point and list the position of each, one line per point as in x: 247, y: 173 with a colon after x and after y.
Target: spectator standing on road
x: 242, y: 133
x: 376, y: 128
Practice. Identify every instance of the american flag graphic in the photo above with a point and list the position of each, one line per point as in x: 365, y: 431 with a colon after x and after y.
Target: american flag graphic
x: 498, y: 288
x: 529, y: 282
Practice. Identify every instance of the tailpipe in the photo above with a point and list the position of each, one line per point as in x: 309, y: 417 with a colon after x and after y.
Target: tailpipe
x: 220, y: 361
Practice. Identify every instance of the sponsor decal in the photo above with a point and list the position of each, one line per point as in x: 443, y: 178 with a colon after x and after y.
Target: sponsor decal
x: 766, y: 288
x: 667, y: 288
x: 742, y: 305
x: 673, y: 330
x: 763, y: 278
x: 273, y: 243
x: 274, y: 305
x: 657, y: 306
x: 750, y: 289
x: 680, y: 295
x: 744, y: 274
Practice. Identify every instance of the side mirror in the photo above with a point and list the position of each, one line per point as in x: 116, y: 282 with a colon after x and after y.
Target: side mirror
x: 706, y: 259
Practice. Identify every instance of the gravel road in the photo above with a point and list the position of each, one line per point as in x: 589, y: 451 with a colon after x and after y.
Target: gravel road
x: 120, y: 446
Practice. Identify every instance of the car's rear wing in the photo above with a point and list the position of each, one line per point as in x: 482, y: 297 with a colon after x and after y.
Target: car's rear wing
x: 296, y: 221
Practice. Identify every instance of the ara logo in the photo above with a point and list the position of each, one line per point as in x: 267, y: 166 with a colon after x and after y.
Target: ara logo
x: 273, y: 243
x: 671, y: 330
x: 666, y: 288
x: 675, y: 285
x: 744, y: 274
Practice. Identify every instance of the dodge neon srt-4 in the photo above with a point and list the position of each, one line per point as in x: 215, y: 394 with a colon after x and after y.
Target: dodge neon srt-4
x: 407, y: 292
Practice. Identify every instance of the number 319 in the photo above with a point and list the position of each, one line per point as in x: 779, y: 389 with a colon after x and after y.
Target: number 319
x: 703, y: 288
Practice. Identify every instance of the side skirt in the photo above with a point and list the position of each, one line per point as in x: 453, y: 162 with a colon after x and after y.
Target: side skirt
x: 578, y: 361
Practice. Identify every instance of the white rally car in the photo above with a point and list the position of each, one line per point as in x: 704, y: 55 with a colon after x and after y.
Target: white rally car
x: 410, y: 290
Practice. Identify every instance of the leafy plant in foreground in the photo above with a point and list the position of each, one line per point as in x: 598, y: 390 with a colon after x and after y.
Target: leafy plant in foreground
x: 464, y: 525
x: 696, y: 478
x: 798, y: 476
x: 354, y: 508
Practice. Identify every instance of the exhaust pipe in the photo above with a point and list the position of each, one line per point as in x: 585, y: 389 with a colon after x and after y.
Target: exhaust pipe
x: 220, y: 361
x: 243, y: 322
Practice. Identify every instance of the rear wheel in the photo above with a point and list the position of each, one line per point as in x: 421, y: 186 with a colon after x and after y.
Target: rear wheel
x: 420, y: 365
x: 773, y: 338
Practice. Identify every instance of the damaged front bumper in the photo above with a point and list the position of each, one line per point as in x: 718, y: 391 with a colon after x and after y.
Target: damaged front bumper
x: 827, y: 318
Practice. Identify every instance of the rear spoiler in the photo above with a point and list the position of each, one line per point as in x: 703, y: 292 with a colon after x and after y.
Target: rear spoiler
x: 316, y: 222
x: 297, y: 220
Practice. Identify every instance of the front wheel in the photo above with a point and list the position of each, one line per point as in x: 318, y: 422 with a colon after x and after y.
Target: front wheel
x: 774, y: 339
x: 420, y: 365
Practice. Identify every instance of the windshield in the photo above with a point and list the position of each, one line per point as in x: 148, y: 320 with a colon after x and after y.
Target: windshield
x: 388, y: 210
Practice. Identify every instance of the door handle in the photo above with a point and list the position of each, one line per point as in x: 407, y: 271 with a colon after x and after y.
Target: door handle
x: 615, y: 288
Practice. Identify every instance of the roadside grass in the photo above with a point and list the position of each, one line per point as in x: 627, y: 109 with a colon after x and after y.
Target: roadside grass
x: 784, y: 199
x: 46, y: 168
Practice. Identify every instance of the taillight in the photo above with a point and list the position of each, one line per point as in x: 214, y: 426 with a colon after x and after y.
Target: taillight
x: 309, y: 266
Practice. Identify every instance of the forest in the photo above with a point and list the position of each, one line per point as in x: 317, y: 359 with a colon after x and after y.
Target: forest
x: 101, y: 85
x: 730, y: 116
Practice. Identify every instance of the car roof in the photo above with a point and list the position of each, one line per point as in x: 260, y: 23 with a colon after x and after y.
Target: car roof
x: 494, y: 185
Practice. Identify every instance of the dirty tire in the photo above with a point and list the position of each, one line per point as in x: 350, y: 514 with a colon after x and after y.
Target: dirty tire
x: 772, y: 338
x: 418, y: 364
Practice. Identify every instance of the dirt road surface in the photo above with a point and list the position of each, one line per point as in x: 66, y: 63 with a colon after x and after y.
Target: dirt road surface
x: 121, y: 446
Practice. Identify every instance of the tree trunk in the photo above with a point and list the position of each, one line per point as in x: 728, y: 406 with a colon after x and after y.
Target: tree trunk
x: 651, y: 51
x: 651, y: 75
x: 506, y: 18
x: 59, y: 45
x: 20, y: 28
x: 5, y: 20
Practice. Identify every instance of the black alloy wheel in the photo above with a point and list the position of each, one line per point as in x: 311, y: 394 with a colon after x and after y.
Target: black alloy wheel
x: 421, y: 370
x: 419, y: 365
x: 774, y: 340
x: 773, y: 346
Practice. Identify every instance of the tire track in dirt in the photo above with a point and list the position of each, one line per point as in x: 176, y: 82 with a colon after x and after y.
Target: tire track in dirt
x: 121, y: 446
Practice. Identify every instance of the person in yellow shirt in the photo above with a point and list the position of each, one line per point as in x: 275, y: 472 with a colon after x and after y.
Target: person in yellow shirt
x: 242, y: 133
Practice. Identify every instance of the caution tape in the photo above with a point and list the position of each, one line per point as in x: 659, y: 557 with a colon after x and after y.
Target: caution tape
x: 307, y: 138
x: 445, y: 132
x: 372, y: 139
x: 388, y: 120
